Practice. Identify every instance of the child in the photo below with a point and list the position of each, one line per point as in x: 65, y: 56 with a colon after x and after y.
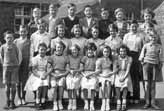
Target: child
x: 104, y: 23
x: 61, y: 36
x: 23, y: 43
x: 71, y: 19
x: 74, y: 77
x: 120, y: 20
x: 134, y: 42
x: 88, y: 21
x: 39, y: 81
x: 151, y: 59
x: 113, y: 41
x: 95, y: 39
x: 123, y: 80
x: 104, y: 66
x: 78, y: 38
x: 40, y: 36
x: 11, y: 58
x: 53, y: 19
x: 89, y: 81
x: 59, y: 62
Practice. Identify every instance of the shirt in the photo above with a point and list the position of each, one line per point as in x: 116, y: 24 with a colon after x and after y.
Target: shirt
x: 89, y: 63
x: 151, y: 53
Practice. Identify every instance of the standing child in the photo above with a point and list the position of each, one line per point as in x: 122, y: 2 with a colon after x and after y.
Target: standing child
x: 78, y: 38
x: 104, y: 23
x: 88, y: 21
x: 89, y: 81
x: 11, y: 58
x: 123, y: 80
x: 61, y: 36
x: 151, y: 59
x: 39, y: 81
x: 59, y: 62
x: 74, y: 77
x: 113, y: 41
x: 105, y: 68
x: 71, y: 19
x: 23, y: 43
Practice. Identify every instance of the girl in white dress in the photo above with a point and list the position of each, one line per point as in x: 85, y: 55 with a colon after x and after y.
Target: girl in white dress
x: 39, y: 81
x: 123, y: 79
x: 105, y: 67
x: 74, y: 77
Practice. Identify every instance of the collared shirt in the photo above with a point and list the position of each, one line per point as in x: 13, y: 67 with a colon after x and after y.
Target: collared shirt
x: 151, y: 53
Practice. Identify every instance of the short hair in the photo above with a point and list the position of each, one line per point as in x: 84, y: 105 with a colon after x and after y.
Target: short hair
x: 123, y: 46
x: 54, y: 5
x: 76, y: 26
x: 90, y: 46
x: 112, y: 26
x: 91, y: 29
x: 87, y: 6
x: 133, y: 22
x: 42, y: 45
x: 104, y: 9
x: 109, y: 48
x: 61, y: 25
x: 71, y: 5
x: 36, y: 9
x: 60, y: 43
x: 148, y: 11
x: 8, y: 32
x: 76, y: 46
x: 119, y: 10
x: 23, y: 26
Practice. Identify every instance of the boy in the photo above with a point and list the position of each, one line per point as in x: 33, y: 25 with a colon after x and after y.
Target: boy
x: 151, y: 59
x: 71, y: 19
x: 11, y: 58
x: 23, y: 43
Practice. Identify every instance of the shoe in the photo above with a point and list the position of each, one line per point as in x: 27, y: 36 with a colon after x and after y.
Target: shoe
x: 86, y: 105
x: 12, y: 105
x: 7, y: 105
x: 123, y: 107
x: 19, y: 102
x: 55, y: 106
x: 154, y: 106
x: 146, y: 106
x: 74, y: 106
x: 69, y: 106
x: 92, y: 108
x: 23, y: 102
x: 60, y: 105
x: 103, y: 105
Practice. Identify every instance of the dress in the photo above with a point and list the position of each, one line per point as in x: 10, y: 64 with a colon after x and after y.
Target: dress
x: 41, y: 67
x: 122, y: 66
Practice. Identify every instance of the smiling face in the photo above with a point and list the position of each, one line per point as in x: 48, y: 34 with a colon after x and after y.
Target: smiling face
x: 59, y: 49
x: 148, y: 29
x: 61, y: 31
x: 106, y: 52
x: 9, y: 38
x: 95, y: 33
x: 72, y: 11
x: 42, y: 51
x: 123, y: 52
x: 88, y: 12
x: 74, y: 51
x: 147, y: 17
x: 90, y: 52
x: 153, y: 38
x: 120, y: 16
x: 77, y: 31
x: 41, y: 27
x: 133, y: 27
x: 112, y: 32
x: 23, y: 32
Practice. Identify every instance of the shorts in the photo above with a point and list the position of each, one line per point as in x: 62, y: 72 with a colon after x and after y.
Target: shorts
x: 10, y: 74
x: 58, y: 82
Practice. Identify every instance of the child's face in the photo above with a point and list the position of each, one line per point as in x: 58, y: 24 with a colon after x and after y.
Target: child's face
x: 95, y: 33
x: 23, y: 32
x: 90, y: 52
x: 104, y: 14
x: 59, y: 49
x: 74, y: 51
x: 148, y: 29
x: 147, y: 17
x: 120, y: 33
x: 133, y: 28
x: 72, y: 11
x: 42, y: 51
x: 120, y: 15
x: 41, y: 27
x: 88, y: 12
x: 112, y: 32
x: 61, y: 31
x: 153, y: 38
x: 106, y: 52
x: 123, y: 52
x: 77, y: 32
x: 36, y: 13
x: 53, y: 11
x: 9, y: 38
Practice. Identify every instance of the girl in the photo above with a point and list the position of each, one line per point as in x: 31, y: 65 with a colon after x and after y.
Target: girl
x: 78, y: 38
x: 123, y: 80
x: 74, y: 77
x: 113, y: 41
x: 39, y: 81
x: 59, y: 62
x: 24, y: 44
x: 60, y: 32
x: 104, y: 66
x: 120, y: 22
x: 89, y: 79
x: 134, y: 42
x: 151, y: 59
x: 88, y: 21
x: 95, y: 39
x: 104, y: 22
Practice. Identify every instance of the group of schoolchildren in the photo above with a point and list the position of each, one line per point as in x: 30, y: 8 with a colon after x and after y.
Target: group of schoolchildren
x: 82, y: 55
